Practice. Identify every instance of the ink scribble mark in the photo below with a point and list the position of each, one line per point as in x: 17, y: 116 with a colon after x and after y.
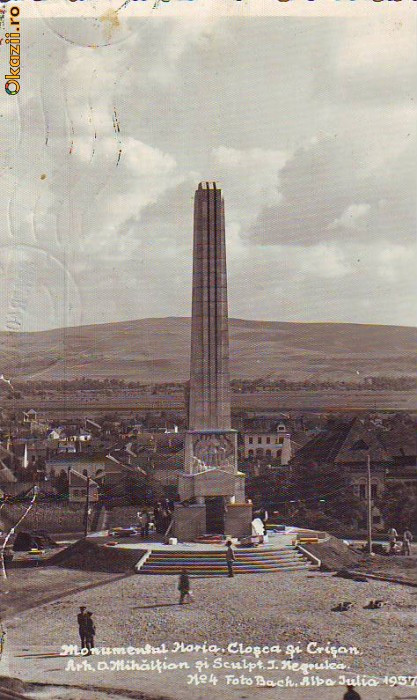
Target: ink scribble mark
x: 91, y: 119
x: 106, y: 24
x: 45, y: 118
x: 71, y: 148
x: 116, y: 127
x: 125, y: 4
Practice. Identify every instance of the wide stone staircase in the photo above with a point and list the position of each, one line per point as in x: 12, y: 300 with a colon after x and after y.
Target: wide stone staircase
x: 212, y: 563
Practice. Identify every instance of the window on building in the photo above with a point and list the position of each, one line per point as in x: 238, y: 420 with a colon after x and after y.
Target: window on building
x: 268, y: 440
x: 250, y: 441
x: 362, y: 492
x: 259, y: 441
x: 268, y: 453
x: 250, y: 453
x: 374, y: 491
x: 281, y: 441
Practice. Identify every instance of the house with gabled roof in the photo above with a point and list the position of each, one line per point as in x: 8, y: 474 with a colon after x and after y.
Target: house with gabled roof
x: 346, y: 446
x: 78, y: 485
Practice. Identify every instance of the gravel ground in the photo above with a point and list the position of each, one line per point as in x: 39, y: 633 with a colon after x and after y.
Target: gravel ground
x: 258, y: 609
x: 26, y: 588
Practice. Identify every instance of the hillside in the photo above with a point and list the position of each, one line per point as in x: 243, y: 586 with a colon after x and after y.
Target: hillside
x: 157, y: 350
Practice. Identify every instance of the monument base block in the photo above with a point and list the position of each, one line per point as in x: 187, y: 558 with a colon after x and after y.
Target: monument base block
x: 189, y: 522
x: 193, y: 521
x: 238, y: 520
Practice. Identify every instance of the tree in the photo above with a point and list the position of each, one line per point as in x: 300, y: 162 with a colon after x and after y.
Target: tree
x: 398, y: 505
x: 325, y: 489
x: 61, y: 483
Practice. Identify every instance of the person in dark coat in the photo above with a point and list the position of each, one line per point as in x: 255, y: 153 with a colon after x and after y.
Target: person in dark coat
x: 230, y: 558
x: 351, y: 693
x: 157, y: 516
x: 184, y: 585
x: 90, y: 631
x: 82, y: 624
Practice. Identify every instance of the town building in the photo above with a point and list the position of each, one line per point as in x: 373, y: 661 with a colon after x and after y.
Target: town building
x: 77, y: 487
x: 346, y: 446
x: 271, y: 444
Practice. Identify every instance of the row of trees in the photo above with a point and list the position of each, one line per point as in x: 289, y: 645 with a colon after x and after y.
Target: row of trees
x: 400, y: 383
x: 90, y: 384
x: 377, y: 383
x: 321, y: 497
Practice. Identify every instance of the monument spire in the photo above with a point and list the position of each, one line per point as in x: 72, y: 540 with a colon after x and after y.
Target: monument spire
x: 209, y: 375
x: 211, y: 489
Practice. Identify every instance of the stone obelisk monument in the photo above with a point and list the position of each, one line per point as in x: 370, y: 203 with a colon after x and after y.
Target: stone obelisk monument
x: 211, y: 489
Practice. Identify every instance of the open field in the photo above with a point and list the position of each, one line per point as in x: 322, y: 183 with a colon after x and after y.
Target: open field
x: 158, y: 350
x: 266, y: 609
x: 305, y: 401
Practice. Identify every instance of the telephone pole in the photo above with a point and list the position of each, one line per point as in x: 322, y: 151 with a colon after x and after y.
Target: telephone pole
x: 87, y: 507
x: 369, y: 502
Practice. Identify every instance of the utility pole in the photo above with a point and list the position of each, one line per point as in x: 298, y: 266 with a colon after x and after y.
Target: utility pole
x: 87, y: 507
x: 369, y: 501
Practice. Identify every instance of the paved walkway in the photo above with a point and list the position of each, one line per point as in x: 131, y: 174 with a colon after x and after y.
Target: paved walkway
x: 276, y: 541
x: 265, y: 610
x: 42, y: 664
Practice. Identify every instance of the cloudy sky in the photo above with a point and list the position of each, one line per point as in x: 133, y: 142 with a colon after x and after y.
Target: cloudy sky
x: 308, y: 125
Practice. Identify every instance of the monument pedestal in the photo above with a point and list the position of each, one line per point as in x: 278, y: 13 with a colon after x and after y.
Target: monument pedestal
x: 211, y: 480
x: 214, y: 516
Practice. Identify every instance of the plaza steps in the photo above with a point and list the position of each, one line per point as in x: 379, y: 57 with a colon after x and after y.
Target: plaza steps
x: 212, y: 563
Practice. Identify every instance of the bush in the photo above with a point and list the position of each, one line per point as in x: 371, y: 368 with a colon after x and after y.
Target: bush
x: 316, y: 520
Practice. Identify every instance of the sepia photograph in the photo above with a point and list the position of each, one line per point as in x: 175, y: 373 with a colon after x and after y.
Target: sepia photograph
x: 208, y: 350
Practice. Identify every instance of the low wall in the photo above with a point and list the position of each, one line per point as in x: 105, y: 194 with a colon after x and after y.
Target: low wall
x: 122, y: 516
x: 52, y: 517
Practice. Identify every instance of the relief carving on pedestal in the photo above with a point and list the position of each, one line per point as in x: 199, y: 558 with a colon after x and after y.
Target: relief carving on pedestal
x: 214, y: 451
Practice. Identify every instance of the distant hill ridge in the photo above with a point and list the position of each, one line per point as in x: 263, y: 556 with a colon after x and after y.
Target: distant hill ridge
x: 157, y: 350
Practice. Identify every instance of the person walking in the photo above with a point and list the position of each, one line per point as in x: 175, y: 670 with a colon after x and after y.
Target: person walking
x: 392, y: 538
x: 90, y: 632
x: 230, y: 558
x: 184, y: 586
x: 82, y: 625
x: 407, y: 540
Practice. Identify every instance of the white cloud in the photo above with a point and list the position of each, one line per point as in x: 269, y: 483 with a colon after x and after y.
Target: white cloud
x: 351, y: 217
x: 396, y: 262
x: 250, y: 181
x: 324, y: 261
x: 315, y: 154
